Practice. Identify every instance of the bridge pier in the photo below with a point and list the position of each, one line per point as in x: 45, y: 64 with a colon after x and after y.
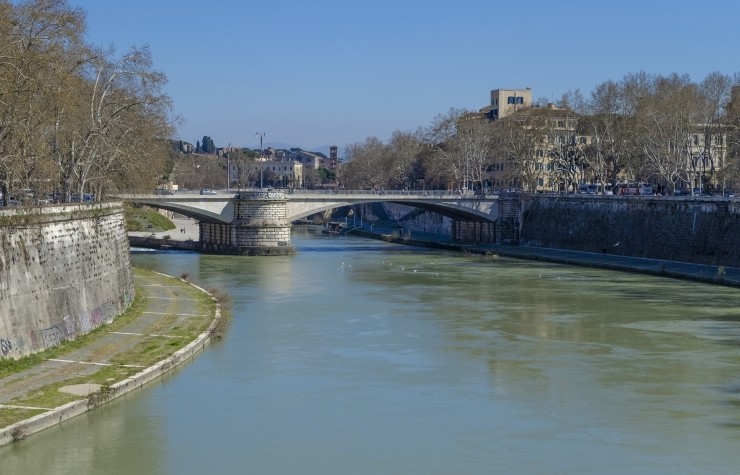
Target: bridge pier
x: 259, y: 227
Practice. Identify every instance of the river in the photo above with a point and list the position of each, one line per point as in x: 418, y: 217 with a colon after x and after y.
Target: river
x: 362, y: 357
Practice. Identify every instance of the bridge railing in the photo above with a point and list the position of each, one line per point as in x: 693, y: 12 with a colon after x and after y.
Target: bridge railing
x: 404, y: 193
x: 221, y: 194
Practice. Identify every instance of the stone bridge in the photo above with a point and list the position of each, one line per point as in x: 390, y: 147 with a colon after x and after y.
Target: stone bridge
x: 257, y: 222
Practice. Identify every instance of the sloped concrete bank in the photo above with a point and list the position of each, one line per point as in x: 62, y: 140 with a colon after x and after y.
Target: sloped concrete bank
x: 63, y: 413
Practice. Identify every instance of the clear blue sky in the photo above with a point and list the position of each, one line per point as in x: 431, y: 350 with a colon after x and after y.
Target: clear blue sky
x: 322, y: 72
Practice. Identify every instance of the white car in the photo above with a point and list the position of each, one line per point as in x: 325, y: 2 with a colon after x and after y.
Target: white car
x: 206, y: 191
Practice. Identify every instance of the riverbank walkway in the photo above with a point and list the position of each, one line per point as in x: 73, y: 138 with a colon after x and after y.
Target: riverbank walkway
x: 168, y: 322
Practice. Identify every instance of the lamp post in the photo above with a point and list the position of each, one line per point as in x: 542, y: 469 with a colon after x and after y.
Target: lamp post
x: 228, y: 168
x: 261, y: 135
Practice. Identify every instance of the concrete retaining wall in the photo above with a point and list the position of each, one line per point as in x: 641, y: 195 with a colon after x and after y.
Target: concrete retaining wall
x: 64, y: 270
x: 703, y: 231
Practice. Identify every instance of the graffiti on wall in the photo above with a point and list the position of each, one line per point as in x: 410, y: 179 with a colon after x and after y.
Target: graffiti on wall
x: 85, y: 324
x: 6, y: 346
x: 69, y: 328
x: 97, y: 317
x: 7, y: 343
x: 52, y: 336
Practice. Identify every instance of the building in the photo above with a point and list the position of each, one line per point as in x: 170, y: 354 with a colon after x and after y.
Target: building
x: 505, y: 102
x: 310, y: 160
x: 281, y: 173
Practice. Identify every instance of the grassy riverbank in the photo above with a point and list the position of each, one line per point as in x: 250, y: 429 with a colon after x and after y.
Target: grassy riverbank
x: 167, y: 315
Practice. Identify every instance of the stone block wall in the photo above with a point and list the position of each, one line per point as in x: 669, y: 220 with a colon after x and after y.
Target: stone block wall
x: 260, y: 227
x: 699, y: 230
x: 64, y: 270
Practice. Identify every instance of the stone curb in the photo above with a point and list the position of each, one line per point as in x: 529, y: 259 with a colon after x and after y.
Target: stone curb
x: 72, y: 409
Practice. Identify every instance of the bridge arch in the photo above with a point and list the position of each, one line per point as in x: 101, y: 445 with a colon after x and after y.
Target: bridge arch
x: 473, y: 211
x: 205, y: 209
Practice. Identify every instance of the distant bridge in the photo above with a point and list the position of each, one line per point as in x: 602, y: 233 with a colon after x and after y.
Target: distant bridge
x: 252, y: 221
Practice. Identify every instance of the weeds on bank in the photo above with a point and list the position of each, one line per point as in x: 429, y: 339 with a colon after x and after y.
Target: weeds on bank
x: 9, y: 416
x: 225, y: 301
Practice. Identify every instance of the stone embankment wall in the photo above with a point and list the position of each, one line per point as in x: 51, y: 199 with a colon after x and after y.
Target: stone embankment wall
x: 698, y: 230
x: 64, y: 270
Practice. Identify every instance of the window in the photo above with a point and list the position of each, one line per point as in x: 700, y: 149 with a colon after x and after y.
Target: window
x: 510, y: 99
x: 520, y: 100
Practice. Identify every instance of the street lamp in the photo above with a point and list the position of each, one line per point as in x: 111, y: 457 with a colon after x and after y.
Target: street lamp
x: 228, y: 168
x: 261, y: 135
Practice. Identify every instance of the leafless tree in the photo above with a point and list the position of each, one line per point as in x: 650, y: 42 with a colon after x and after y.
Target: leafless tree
x: 521, y: 140
x: 471, y: 150
x: 40, y: 49
x: 402, y: 159
x: 364, y: 166
x: 664, y: 121
x: 442, y: 157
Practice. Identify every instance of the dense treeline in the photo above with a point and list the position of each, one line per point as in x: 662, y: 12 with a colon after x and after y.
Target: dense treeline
x: 75, y: 118
x: 664, y: 129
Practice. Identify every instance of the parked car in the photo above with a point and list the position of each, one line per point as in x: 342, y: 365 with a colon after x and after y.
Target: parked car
x: 206, y: 191
x: 164, y: 191
x: 86, y: 197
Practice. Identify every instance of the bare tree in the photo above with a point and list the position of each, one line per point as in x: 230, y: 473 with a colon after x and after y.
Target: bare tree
x: 664, y: 123
x: 442, y: 158
x: 472, y: 148
x: 606, y: 125
x: 40, y: 44
x: 364, y: 166
x: 710, y: 151
x: 402, y: 158
x: 124, y: 109
x: 521, y: 140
